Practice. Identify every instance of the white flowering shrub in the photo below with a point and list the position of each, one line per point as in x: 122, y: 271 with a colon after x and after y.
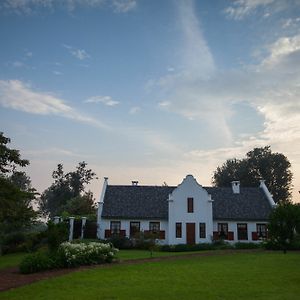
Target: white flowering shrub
x: 72, y: 255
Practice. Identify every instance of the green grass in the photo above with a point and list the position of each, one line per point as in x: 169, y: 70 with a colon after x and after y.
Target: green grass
x: 261, y: 275
x: 138, y: 254
x: 11, y: 260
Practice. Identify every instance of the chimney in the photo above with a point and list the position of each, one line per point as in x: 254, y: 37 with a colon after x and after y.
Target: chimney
x: 235, y: 187
x: 267, y: 193
x: 135, y: 183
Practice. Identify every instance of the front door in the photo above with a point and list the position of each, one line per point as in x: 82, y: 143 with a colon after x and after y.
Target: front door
x: 190, y: 233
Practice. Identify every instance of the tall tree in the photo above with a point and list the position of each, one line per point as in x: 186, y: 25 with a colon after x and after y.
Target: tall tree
x: 67, y: 193
x: 260, y: 163
x: 16, y: 193
x: 284, y: 225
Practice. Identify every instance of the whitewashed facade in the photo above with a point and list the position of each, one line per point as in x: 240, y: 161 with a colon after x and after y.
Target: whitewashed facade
x: 189, y: 212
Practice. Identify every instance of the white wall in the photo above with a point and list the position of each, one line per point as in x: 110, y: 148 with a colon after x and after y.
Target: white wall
x: 125, y: 225
x: 232, y: 226
x: 178, y: 211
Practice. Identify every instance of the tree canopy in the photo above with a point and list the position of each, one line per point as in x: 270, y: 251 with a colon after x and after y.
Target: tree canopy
x: 66, y: 194
x: 16, y: 193
x: 284, y: 225
x: 259, y: 163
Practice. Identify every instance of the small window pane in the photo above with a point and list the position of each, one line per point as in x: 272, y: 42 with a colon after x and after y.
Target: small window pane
x: 115, y: 227
x: 190, y: 203
x: 178, y: 230
x: 134, y: 228
x: 202, y: 230
x: 242, y: 231
x: 154, y: 227
x: 261, y: 230
x: 223, y: 230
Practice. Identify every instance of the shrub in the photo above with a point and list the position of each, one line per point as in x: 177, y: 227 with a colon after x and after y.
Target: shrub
x: 68, y: 255
x: 13, y: 242
x: 276, y: 245
x: 73, y: 255
x: 121, y: 242
x: 36, y: 262
x: 56, y: 234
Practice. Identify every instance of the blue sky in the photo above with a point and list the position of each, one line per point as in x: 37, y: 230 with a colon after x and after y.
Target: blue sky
x: 149, y: 90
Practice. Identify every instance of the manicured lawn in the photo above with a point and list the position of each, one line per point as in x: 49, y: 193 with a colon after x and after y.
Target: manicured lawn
x: 261, y: 275
x: 10, y: 260
x: 136, y: 254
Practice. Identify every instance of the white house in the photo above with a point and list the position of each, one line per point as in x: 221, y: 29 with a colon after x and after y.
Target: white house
x: 187, y: 213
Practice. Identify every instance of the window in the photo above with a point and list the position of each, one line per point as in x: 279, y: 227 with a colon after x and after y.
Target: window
x: 223, y: 230
x: 154, y: 227
x: 190, y: 205
x: 261, y: 230
x: 134, y: 228
x: 242, y: 231
x: 178, y: 230
x: 115, y: 227
x: 202, y: 231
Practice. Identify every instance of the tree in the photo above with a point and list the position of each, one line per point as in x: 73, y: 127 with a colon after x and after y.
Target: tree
x: 9, y: 158
x: 67, y: 194
x: 16, y: 193
x: 260, y: 163
x: 284, y: 225
x: 81, y: 205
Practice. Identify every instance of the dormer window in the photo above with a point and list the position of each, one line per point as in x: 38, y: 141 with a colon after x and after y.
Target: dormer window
x: 190, y: 205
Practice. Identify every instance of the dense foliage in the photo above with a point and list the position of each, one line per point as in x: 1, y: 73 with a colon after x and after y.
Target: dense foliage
x: 260, y: 163
x: 16, y: 193
x: 69, y: 255
x: 284, y: 227
x: 67, y: 195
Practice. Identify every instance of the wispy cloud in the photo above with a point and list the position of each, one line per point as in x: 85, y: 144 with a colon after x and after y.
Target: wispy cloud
x: 187, y: 91
x: 29, y: 7
x: 58, y: 73
x: 134, y: 110
x: 17, y: 64
x: 16, y: 95
x: 81, y: 54
x: 28, y: 54
x: 106, y: 100
x: 123, y: 6
x: 241, y: 9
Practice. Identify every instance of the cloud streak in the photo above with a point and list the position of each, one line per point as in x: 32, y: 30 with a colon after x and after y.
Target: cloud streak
x: 14, y: 94
x: 240, y: 9
x: 106, y: 100
x: 81, y: 54
x: 29, y: 7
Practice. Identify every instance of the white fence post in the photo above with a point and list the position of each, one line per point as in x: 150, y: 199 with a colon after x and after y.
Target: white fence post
x: 71, y: 220
x: 83, y: 222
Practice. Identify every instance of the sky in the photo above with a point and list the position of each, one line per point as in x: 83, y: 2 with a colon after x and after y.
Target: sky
x: 149, y: 90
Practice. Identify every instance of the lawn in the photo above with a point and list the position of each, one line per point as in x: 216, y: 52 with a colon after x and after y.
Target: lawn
x: 261, y: 275
x: 139, y: 254
x: 11, y: 260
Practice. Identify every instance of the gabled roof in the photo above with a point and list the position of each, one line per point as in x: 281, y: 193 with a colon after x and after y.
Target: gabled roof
x: 150, y: 202
x: 136, y: 202
x: 250, y: 204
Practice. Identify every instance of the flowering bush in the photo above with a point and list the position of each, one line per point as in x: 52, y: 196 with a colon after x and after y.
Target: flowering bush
x: 69, y: 255
x: 72, y: 255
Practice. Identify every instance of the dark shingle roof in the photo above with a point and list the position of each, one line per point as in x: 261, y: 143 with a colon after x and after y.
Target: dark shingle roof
x: 138, y: 202
x: 250, y: 204
x: 150, y: 202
